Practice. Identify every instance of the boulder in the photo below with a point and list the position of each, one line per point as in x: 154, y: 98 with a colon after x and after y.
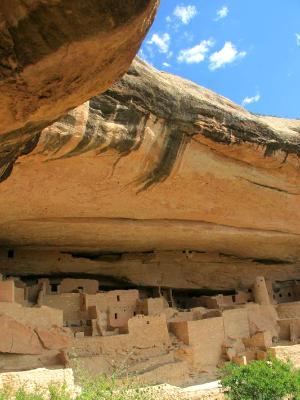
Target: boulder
x: 55, y: 338
x: 40, y: 378
x: 17, y: 338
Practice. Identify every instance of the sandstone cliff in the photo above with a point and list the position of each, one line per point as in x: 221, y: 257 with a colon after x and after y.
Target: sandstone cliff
x: 157, y: 181
x: 56, y: 54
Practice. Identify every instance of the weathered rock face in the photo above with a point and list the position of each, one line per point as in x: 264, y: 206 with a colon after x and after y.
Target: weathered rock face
x: 157, y: 164
x: 56, y: 54
x: 17, y: 338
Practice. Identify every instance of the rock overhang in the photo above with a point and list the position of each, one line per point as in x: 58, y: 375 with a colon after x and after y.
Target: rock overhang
x: 158, y: 164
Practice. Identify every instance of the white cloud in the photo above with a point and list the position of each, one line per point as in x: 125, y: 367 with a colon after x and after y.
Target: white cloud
x: 195, y: 54
x: 298, y: 39
x: 146, y: 57
x: 226, y: 55
x: 162, y: 42
x: 166, y: 65
x: 185, y: 14
x: 142, y: 55
x: 187, y: 36
x: 222, y: 13
x: 250, y: 100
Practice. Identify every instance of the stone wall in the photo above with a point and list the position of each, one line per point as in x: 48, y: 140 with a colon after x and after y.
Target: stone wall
x: 289, y: 310
x: 69, y: 303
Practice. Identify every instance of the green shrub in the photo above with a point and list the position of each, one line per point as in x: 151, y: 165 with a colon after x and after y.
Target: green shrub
x: 269, y: 379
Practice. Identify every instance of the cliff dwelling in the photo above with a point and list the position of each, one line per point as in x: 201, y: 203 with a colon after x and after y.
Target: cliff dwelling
x: 167, y: 269
x: 147, y: 225
x: 162, y: 334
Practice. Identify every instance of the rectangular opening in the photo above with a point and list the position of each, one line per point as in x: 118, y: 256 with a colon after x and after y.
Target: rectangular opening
x: 10, y: 253
x: 116, y: 316
x: 54, y: 287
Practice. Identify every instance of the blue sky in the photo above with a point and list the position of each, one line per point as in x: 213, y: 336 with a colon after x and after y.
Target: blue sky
x: 246, y: 50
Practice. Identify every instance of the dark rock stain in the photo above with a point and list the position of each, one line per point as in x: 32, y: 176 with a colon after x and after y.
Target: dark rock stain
x: 271, y: 187
x: 173, y: 148
x: 55, y: 141
x: 117, y: 120
x: 15, y: 144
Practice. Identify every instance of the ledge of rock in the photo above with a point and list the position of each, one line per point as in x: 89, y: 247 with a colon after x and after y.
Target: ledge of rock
x: 156, y: 179
x: 56, y: 54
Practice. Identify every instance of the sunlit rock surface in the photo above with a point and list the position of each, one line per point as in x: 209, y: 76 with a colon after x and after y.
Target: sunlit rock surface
x: 56, y: 54
x: 156, y: 181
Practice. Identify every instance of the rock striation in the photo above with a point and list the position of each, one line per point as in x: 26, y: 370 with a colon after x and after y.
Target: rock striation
x: 156, y: 181
x: 56, y: 54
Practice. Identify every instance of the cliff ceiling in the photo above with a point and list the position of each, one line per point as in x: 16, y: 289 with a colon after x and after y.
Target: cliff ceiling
x: 55, y: 55
x: 158, y: 163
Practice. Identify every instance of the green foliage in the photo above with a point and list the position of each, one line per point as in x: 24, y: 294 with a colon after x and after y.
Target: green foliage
x: 98, y: 388
x: 54, y: 392
x: 57, y: 392
x: 115, y: 388
x: 21, y: 394
x: 269, y: 379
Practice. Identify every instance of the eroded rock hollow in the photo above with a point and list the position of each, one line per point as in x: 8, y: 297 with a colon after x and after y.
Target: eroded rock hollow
x: 155, y: 225
x: 156, y: 182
